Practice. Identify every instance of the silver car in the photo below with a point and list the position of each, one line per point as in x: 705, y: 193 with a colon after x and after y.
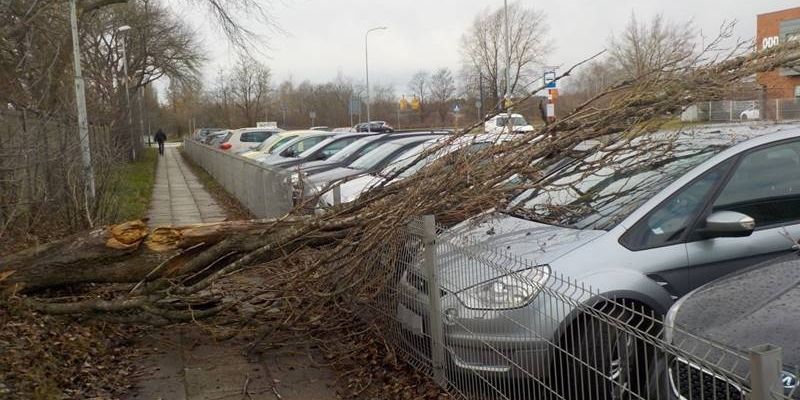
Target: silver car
x: 640, y: 228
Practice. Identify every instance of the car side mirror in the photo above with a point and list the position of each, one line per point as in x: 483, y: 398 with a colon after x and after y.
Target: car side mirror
x: 728, y: 224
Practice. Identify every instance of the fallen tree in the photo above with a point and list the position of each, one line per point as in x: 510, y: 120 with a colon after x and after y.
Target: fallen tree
x: 168, y: 273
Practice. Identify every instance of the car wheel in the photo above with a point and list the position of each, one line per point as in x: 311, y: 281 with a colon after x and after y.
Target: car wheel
x: 601, y: 356
x: 744, y: 117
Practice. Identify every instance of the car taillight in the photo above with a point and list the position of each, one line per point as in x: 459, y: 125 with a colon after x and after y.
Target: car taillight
x: 225, y: 146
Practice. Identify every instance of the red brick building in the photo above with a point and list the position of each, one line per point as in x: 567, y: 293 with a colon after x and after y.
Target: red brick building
x: 772, y: 29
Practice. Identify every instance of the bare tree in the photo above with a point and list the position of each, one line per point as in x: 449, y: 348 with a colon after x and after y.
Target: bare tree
x: 419, y: 85
x: 483, y: 49
x: 442, y: 90
x: 250, y: 86
x: 643, y: 47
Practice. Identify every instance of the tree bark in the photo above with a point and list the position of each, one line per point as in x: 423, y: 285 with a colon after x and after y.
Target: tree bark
x: 122, y: 253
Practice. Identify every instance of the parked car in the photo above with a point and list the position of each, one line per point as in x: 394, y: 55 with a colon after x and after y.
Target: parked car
x: 371, y: 162
x: 200, y: 134
x: 293, y: 147
x: 750, y: 114
x: 755, y: 306
x: 356, y: 150
x: 408, y: 162
x: 214, y: 138
x: 241, y: 140
x: 502, y: 123
x: 319, y: 128
x: 320, y: 151
x: 268, y: 146
x: 374, y: 126
x: 641, y: 228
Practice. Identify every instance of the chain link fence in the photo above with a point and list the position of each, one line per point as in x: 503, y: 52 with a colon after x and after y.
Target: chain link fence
x: 490, y: 325
x: 41, y: 172
x: 264, y: 190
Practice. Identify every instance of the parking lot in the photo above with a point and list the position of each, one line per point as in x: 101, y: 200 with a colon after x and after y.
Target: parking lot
x: 580, y: 303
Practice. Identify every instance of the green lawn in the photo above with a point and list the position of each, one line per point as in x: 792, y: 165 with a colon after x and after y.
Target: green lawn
x: 133, y: 186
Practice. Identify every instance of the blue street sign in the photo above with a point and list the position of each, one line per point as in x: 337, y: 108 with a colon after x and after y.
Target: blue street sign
x: 550, y: 79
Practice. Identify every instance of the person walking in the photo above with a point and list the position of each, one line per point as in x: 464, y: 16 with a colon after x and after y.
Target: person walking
x: 160, y: 138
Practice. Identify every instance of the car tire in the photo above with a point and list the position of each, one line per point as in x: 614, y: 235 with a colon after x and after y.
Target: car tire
x: 743, y: 117
x: 597, y: 359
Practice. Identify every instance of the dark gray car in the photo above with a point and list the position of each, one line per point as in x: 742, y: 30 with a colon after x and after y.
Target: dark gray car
x: 318, y: 152
x: 356, y: 150
x: 373, y: 161
x: 755, y: 306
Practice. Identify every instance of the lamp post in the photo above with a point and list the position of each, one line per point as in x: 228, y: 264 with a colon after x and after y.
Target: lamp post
x: 123, y: 29
x: 508, y: 56
x: 366, y: 63
x: 80, y: 100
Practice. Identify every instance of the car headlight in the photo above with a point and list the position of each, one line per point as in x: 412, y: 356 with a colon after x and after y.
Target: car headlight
x: 509, y: 291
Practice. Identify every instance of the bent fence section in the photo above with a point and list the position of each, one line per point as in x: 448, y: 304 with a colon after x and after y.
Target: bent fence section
x: 265, y: 191
x: 486, y: 324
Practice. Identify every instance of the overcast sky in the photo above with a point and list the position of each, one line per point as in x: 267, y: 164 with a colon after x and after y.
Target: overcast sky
x: 324, y: 37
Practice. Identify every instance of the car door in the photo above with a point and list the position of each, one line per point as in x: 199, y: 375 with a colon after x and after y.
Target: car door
x: 765, y: 185
x: 658, y: 240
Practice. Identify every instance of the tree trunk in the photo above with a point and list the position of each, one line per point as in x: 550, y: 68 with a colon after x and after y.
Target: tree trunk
x: 128, y: 252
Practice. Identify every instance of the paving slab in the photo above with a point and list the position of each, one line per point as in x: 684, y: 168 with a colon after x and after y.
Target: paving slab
x: 178, y: 197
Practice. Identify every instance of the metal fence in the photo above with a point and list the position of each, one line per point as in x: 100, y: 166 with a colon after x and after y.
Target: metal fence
x: 265, y: 191
x: 744, y: 110
x: 489, y: 325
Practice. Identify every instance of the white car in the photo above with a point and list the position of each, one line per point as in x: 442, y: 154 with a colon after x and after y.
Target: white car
x: 244, y: 139
x: 752, y: 113
x: 501, y: 123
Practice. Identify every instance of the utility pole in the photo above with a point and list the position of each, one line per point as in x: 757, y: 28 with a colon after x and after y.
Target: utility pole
x: 80, y: 100
x: 366, y: 63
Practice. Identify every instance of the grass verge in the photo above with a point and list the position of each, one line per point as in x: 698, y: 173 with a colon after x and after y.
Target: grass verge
x: 133, y: 186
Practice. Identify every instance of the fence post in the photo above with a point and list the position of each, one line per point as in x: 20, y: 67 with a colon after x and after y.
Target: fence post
x: 337, y: 195
x: 777, y: 110
x: 765, y: 372
x: 434, y: 297
x: 730, y: 111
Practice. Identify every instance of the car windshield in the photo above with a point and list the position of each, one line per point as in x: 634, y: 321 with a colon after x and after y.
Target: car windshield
x: 376, y: 156
x: 601, y: 189
x: 351, y: 149
x: 515, y: 121
x: 265, y: 145
x: 279, y: 144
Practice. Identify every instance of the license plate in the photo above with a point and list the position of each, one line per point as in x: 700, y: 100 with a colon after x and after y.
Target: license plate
x: 409, y: 319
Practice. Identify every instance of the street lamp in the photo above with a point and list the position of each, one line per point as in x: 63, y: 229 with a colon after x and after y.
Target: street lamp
x: 366, y: 63
x: 122, y: 29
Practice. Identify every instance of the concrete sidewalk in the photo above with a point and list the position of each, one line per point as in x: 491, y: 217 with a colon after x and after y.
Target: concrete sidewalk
x: 178, y: 196
x: 184, y: 362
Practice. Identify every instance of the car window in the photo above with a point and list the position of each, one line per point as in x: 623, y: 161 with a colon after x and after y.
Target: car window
x: 302, y: 145
x: 668, y: 223
x: 373, y: 158
x: 601, y: 189
x: 765, y: 186
x: 254, y: 137
x: 334, y: 147
x: 279, y: 143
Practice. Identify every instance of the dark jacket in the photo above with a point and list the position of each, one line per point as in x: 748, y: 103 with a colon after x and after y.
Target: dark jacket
x: 160, y: 137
